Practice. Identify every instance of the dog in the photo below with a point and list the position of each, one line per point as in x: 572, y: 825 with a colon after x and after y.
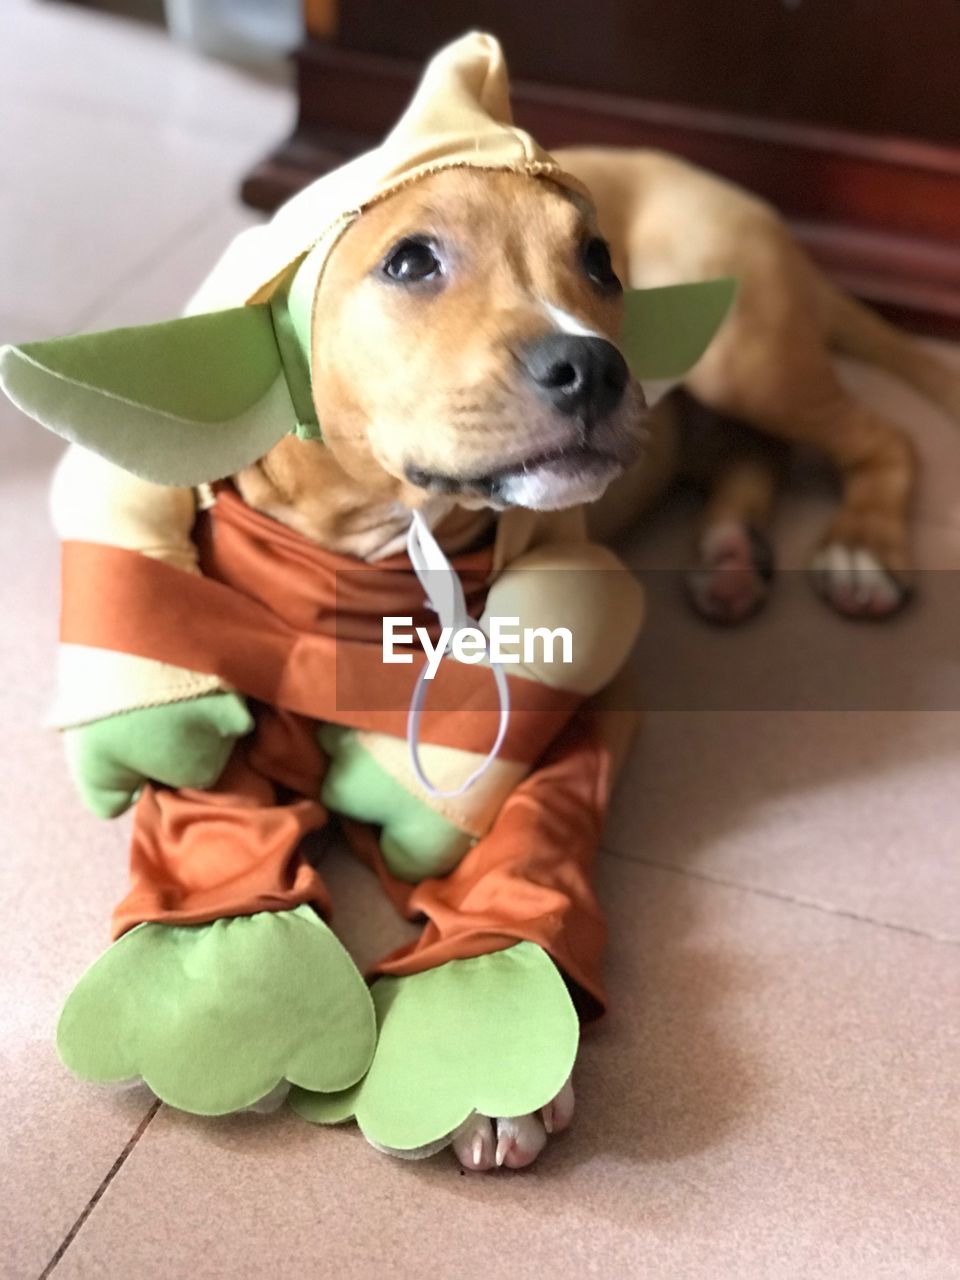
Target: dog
x: 466, y: 364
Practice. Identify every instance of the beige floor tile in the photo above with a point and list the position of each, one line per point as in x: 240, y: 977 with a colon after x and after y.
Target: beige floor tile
x: 59, y: 872
x: 89, y: 201
x: 118, y: 146
x: 67, y: 57
x: 161, y: 291
x: 770, y: 1097
x: 856, y: 811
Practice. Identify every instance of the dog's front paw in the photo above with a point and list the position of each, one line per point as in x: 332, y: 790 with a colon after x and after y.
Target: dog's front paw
x: 512, y: 1142
x: 475, y: 1054
x: 732, y: 577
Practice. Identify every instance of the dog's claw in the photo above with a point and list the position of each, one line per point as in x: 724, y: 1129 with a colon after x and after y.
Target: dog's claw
x: 511, y: 1142
x: 473, y: 1144
x: 558, y: 1114
x: 520, y: 1139
x: 504, y: 1145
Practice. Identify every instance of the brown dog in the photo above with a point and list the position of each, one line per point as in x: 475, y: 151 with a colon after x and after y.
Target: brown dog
x: 496, y: 299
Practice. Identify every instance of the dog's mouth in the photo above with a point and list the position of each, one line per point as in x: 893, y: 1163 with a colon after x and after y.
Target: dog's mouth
x: 546, y: 481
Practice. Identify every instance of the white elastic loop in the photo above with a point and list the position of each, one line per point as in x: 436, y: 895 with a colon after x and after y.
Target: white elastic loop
x: 446, y: 594
x: 450, y: 605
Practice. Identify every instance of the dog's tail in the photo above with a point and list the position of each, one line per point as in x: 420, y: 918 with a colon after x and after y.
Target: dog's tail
x: 855, y: 330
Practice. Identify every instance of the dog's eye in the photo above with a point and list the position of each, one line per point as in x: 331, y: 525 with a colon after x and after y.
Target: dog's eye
x: 596, y: 261
x: 412, y: 261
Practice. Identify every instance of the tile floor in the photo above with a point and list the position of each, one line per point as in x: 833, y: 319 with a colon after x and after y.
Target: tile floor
x: 775, y: 1093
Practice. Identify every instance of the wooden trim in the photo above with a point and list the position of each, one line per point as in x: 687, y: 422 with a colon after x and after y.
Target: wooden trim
x: 881, y: 214
x: 320, y: 17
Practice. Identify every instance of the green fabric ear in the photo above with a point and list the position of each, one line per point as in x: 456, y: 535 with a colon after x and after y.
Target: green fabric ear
x: 666, y: 331
x: 178, y: 403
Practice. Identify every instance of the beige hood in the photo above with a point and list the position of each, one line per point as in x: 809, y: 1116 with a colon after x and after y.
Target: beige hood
x: 459, y: 116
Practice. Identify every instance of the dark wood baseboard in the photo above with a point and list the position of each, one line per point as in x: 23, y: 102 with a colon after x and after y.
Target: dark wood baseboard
x: 880, y: 214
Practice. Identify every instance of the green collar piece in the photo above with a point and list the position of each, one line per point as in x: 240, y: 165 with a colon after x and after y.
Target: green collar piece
x: 293, y: 322
x: 193, y: 400
x: 296, y: 366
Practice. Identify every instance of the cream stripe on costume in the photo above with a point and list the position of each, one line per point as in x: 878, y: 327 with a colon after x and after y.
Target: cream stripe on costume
x: 93, y: 501
x: 95, y: 683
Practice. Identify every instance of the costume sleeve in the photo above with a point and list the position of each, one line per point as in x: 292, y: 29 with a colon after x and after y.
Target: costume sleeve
x: 93, y: 501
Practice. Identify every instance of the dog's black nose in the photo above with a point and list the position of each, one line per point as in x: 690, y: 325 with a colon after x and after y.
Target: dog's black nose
x: 577, y: 375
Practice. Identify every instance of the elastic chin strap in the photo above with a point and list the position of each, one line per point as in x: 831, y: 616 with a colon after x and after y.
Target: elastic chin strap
x: 445, y: 597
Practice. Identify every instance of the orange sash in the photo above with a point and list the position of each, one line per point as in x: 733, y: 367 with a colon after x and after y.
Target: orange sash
x: 298, y: 628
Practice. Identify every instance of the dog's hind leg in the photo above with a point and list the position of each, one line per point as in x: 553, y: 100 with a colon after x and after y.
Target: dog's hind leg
x: 770, y: 367
x: 861, y: 565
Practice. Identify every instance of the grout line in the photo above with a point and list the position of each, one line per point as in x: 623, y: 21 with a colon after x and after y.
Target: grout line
x: 98, y: 1194
x: 810, y: 904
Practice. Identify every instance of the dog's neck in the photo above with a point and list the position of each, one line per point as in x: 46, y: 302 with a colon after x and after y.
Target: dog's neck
x: 311, y: 492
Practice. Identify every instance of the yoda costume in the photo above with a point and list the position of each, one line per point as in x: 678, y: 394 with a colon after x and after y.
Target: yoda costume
x: 225, y: 675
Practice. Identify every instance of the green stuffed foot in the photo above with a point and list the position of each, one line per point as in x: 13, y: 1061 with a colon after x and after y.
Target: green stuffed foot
x: 415, y: 841
x: 495, y: 1035
x: 214, y: 1017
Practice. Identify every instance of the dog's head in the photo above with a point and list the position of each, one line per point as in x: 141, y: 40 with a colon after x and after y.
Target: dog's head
x: 465, y: 343
x: 465, y: 347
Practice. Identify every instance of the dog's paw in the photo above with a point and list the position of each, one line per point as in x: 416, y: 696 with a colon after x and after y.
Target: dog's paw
x: 855, y: 581
x: 732, y: 578
x: 511, y: 1142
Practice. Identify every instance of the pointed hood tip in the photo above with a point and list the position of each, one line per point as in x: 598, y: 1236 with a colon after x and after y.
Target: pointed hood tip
x: 458, y: 117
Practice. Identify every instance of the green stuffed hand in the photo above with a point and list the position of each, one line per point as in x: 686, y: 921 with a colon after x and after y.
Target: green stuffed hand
x: 181, y: 744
